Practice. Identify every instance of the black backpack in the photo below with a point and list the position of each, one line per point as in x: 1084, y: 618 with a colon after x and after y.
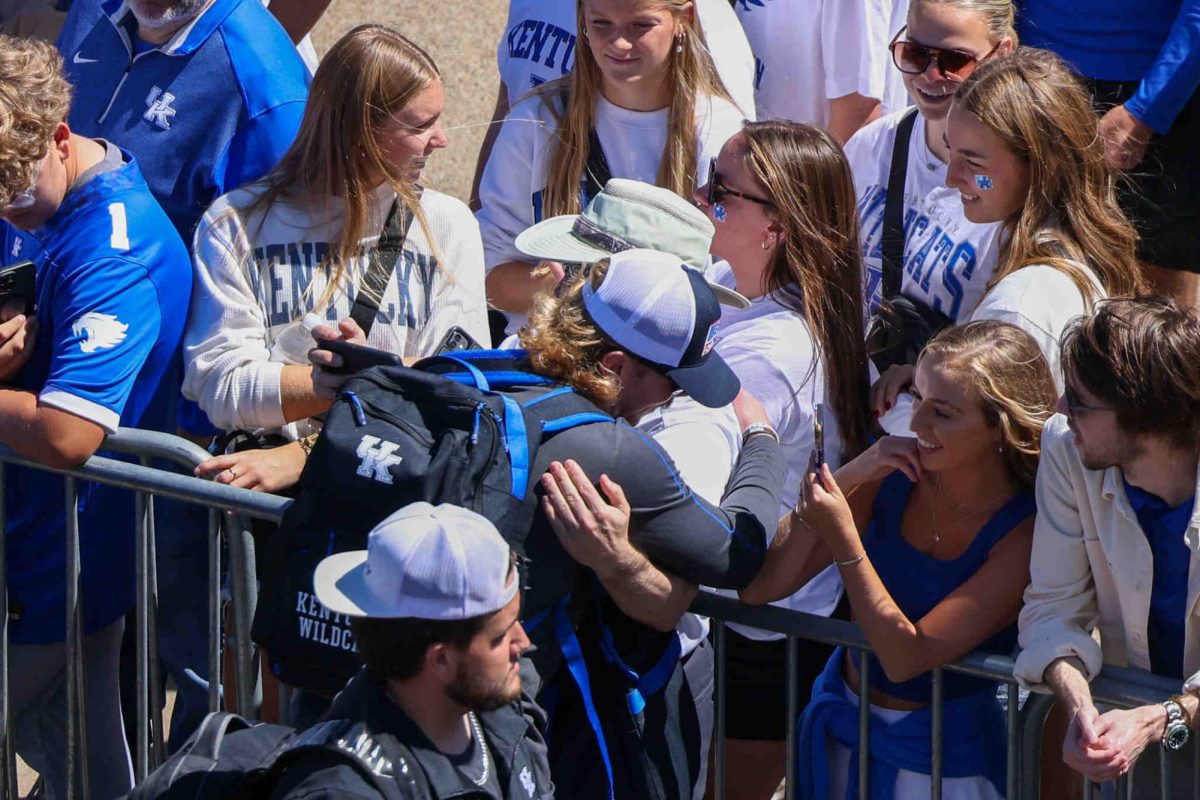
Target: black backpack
x: 230, y: 758
x: 461, y: 429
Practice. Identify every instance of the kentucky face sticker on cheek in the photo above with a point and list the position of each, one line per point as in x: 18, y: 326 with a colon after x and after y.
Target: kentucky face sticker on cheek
x: 984, y: 182
x: 718, y: 212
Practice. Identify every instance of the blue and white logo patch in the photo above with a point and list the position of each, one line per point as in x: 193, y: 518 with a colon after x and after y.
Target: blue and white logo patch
x: 710, y: 341
x: 99, y: 331
x: 984, y: 182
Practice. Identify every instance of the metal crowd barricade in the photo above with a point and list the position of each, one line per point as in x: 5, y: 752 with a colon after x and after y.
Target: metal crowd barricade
x: 147, y: 483
x: 1115, y: 686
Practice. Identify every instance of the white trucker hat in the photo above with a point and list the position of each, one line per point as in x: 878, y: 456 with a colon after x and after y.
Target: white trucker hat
x: 654, y: 306
x: 425, y: 562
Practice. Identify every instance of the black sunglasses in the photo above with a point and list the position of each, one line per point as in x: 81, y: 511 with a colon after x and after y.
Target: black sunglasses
x: 913, y: 58
x: 718, y: 191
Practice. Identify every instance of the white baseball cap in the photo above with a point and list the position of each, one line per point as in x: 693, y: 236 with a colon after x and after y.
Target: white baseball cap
x: 424, y: 562
x: 655, y: 307
x: 629, y: 214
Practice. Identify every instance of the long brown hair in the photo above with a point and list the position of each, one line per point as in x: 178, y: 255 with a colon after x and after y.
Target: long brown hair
x: 1070, y: 216
x: 370, y: 73
x: 691, y: 75
x: 1012, y: 377
x: 817, y: 270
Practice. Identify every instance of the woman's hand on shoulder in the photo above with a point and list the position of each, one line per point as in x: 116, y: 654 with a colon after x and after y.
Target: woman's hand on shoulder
x: 889, y: 453
x: 892, y: 383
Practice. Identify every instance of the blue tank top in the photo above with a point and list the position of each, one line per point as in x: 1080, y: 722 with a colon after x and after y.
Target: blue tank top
x: 918, y: 582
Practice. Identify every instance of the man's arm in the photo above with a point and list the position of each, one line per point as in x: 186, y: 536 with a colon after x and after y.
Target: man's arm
x: 298, y: 17
x: 1060, y: 610
x: 1084, y: 749
x: 1165, y: 89
x: 53, y: 437
x: 849, y: 113
x: 596, y: 534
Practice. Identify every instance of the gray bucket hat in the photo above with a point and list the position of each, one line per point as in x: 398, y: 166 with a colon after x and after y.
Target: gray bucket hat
x: 624, y: 216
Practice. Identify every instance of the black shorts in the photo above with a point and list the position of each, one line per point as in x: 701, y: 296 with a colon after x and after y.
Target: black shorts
x: 1162, y: 194
x: 755, y: 691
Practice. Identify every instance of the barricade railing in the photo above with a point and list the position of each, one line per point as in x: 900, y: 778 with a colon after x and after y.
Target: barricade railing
x: 147, y: 483
x: 1116, y: 687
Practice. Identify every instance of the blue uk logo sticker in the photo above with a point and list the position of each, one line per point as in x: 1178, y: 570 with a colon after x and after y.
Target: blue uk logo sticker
x: 718, y: 212
x: 984, y: 182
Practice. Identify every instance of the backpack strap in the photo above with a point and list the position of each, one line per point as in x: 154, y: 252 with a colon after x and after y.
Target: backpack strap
x: 893, y: 209
x: 383, y: 761
x: 568, y: 642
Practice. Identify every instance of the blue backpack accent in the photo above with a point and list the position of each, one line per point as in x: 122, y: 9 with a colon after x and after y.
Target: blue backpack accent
x: 462, y: 429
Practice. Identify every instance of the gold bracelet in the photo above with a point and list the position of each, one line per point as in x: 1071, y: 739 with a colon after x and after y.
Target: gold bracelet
x: 306, y: 444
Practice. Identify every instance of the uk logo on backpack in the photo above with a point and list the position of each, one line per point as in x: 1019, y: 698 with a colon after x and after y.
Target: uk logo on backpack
x: 461, y: 429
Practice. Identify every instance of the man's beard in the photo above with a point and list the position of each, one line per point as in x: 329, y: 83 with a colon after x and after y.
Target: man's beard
x: 174, y: 14
x: 475, y: 694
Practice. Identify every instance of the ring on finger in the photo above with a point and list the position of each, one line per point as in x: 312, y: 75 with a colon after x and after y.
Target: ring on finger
x: 232, y: 471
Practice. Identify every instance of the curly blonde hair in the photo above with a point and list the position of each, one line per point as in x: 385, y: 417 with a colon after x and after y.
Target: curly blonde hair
x: 34, y: 98
x: 564, y: 343
x: 1017, y: 393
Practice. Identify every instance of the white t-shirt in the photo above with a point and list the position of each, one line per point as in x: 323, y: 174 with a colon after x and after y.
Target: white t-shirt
x: 255, y: 280
x: 770, y: 349
x: 510, y: 192
x: 948, y: 260
x: 539, y: 45
x: 1041, y: 301
x: 809, y: 52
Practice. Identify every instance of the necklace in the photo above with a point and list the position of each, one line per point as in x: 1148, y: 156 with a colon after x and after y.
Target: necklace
x: 487, y: 762
x: 937, y: 529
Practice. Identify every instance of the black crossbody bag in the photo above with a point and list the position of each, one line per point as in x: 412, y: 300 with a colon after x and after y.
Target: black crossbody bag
x: 902, y: 326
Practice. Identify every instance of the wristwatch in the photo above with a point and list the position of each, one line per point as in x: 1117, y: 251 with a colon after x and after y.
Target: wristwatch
x: 1176, y: 734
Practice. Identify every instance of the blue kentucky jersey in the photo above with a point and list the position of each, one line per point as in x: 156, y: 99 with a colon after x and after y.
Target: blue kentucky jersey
x: 212, y: 109
x: 113, y: 285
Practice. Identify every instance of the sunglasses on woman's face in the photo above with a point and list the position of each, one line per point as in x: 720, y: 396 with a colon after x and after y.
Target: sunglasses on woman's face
x: 914, y: 58
x: 718, y: 191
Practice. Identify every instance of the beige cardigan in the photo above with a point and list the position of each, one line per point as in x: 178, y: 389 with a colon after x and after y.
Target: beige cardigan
x: 1092, y: 566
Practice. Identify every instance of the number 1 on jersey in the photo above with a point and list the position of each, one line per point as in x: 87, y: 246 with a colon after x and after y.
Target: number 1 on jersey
x: 120, y: 227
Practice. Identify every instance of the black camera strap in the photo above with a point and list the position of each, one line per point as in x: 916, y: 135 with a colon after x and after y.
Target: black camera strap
x: 893, y: 210
x: 381, y: 263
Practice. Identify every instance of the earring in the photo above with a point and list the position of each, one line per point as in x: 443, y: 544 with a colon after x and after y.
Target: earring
x: 766, y: 245
x: 678, y: 44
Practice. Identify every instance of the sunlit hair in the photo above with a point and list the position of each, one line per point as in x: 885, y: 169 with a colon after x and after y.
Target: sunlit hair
x: 1007, y: 370
x: 337, y: 158
x: 1141, y: 358
x: 691, y: 74
x: 998, y: 15
x: 564, y: 343
x: 817, y: 269
x: 1039, y: 109
x: 34, y: 98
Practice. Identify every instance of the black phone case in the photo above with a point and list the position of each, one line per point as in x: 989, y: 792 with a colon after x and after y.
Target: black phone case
x: 19, y: 281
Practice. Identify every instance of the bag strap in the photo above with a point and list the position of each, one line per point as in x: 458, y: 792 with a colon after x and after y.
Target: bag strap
x: 382, y: 761
x: 381, y: 263
x: 893, y: 210
x: 597, y: 173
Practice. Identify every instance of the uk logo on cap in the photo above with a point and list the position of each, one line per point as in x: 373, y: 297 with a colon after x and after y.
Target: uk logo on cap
x: 710, y: 341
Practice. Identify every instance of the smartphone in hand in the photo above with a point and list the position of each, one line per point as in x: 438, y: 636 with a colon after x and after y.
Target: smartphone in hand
x: 819, y: 435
